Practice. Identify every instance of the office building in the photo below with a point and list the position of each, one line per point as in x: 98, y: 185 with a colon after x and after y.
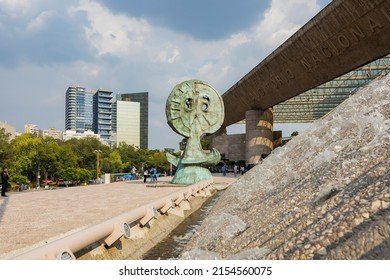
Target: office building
x: 102, y: 114
x: 143, y: 99
x: 125, y: 120
x: 78, y: 109
x: 126, y: 126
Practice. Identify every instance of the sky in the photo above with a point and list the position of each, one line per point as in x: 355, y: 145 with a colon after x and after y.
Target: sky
x: 132, y: 46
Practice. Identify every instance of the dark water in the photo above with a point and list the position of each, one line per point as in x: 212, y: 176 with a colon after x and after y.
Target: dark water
x: 173, y: 244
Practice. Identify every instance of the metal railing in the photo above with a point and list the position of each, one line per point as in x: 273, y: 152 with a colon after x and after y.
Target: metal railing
x: 112, y: 229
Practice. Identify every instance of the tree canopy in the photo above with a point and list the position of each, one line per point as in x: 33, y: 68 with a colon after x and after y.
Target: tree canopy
x: 29, y: 158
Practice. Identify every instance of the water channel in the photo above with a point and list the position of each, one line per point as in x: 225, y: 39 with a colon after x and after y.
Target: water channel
x: 174, y: 243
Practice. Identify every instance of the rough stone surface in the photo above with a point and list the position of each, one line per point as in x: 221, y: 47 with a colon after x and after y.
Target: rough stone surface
x: 324, y: 195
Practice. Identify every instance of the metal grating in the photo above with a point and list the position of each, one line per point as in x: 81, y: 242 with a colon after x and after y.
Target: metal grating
x: 317, y: 102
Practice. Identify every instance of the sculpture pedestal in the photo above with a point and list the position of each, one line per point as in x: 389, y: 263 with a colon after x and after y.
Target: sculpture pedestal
x: 189, y: 175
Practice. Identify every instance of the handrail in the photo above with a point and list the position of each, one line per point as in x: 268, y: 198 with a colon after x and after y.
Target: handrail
x: 111, y: 229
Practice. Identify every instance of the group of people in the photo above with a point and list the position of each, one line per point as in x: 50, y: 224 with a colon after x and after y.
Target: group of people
x: 240, y: 169
x: 236, y: 169
x: 152, y: 173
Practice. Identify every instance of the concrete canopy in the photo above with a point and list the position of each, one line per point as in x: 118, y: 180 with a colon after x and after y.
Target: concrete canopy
x: 343, y: 36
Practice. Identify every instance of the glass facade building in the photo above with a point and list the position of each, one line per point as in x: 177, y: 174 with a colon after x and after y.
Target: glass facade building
x: 78, y: 109
x: 103, y: 114
x: 125, y: 120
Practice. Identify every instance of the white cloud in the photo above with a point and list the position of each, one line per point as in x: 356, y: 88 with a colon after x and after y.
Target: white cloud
x: 16, y: 8
x: 112, y: 33
x: 134, y: 55
x: 284, y: 18
x: 39, y: 22
x: 168, y: 55
x: 238, y: 39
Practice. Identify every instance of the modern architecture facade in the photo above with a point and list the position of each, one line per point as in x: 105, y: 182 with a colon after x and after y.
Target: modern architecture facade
x: 143, y: 99
x: 122, y: 120
x: 78, y: 109
x: 102, y: 114
x: 127, y: 122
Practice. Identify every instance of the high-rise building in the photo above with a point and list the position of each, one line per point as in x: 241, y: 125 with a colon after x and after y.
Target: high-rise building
x: 78, y: 109
x: 103, y: 114
x: 143, y: 99
x: 126, y: 120
x: 126, y: 126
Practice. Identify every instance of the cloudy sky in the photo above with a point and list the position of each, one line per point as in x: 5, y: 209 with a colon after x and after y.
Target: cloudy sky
x: 132, y: 46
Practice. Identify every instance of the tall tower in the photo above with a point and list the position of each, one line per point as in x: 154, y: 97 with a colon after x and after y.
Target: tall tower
x: 143, y: 99
x: 126, y: 124
x: 78, y: 109
x: 102, y: 112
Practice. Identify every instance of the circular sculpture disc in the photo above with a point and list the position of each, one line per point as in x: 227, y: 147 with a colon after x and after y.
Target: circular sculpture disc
x: 194, y: 108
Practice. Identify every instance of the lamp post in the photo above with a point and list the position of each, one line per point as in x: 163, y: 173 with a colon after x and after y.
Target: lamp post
x: 97, y: 163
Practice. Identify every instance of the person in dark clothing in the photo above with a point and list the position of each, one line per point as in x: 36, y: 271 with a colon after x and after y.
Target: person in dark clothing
x: 4, y: 180
x: 146, y: 174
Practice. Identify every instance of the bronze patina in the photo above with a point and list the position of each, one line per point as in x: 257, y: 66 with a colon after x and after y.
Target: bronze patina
x: 194, y: 109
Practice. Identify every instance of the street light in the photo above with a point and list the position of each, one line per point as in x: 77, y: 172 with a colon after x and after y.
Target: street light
x: 97, y: 163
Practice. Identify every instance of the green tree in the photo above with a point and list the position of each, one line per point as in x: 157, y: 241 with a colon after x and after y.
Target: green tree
x: 83, y: 175
x: 158, y: 159
x: 85, y: 150
x: 5, y: 147
x: 295, y: 133
x: 23, y: 156
x: 112, y: 163
x: 205, y: 141
x: 69, y: 174
x: 47, y: 156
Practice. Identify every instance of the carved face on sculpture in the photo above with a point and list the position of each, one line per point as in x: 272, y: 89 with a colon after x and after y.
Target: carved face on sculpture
x: 194, y: 108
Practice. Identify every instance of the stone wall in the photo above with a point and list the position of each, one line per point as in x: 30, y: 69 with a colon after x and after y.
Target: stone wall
x: 324, y: 195
x: 233, y: 146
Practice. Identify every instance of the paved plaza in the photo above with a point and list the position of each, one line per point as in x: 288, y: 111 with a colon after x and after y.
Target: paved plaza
x: 33, y: 218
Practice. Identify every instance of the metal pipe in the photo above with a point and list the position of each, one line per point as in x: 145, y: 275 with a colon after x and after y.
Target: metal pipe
x: 79, y: 240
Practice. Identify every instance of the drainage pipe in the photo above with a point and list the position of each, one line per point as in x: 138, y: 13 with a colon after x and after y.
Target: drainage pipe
x: 108, y: 229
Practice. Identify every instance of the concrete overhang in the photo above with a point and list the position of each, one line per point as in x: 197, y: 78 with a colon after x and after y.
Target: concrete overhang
x: 343, y: 36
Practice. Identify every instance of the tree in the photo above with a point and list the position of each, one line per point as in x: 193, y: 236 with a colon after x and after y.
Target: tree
x: 47, y: 156
x: 205, y: 141
x: 158, y: 159
x: 295, y: 133
x: 5, y: 147
x: 85, y: 151
x: 23, y: 154
x: 112, y: 163
x: 67, y: 158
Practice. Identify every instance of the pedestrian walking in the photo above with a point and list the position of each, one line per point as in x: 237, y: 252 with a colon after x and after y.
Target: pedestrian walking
x: 223, y: 169
x: 146, y: 173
